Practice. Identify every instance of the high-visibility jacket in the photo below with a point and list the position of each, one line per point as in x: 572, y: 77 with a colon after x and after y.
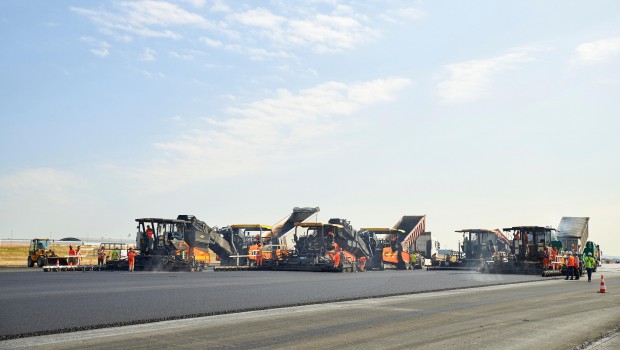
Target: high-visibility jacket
x: 590, y: 262
x: 571, y: 261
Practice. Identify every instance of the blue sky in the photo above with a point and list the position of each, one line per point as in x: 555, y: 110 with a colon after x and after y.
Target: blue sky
x: 479, y: 114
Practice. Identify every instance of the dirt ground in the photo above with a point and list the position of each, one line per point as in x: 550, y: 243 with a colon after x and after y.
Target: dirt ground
x: 17, y: 255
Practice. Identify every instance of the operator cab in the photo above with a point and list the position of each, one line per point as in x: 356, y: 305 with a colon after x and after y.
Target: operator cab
x: 168, y: 234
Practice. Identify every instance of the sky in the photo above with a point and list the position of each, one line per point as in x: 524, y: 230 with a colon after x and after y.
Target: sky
x: 477, y: 114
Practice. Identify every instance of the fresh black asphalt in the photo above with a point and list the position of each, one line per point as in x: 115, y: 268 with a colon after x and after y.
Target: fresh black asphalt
x: 36, y: 302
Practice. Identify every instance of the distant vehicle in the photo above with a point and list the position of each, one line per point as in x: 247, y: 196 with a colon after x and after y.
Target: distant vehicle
x: 41, y: 253
x: 109, y: 248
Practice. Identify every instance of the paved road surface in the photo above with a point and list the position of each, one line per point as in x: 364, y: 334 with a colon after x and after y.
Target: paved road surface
x: 43, y: 302
x: 550, y: 314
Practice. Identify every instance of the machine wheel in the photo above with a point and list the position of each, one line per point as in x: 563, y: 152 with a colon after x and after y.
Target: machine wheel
x: 30, y: 262
x: 40, y: 262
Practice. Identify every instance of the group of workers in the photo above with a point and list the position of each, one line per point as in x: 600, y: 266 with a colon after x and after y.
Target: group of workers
x: 551, y: 256
x: 75, y: 256
x: 573, y: 264
x: 131, y: 256
x: 416, y: 260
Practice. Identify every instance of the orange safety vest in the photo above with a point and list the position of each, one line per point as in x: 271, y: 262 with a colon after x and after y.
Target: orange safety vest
x: 571, y: 260
x: 149, y: 233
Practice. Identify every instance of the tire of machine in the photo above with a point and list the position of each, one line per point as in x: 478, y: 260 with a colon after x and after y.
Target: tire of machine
x: 30, y: 262
x: 40, y: 262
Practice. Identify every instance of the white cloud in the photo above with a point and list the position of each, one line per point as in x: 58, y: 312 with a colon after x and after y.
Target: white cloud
x: 186, y: 57
x: 473, y: 79
x: 150, y: 12
x: 321, y: 32
x: 219, y: 6
x: 258, y: 54
x: 197, y: 3
x: 99, y: 48
x: 148, y: 55
x: 144, y: 18
x: 211, y: 42
x: 403, y: 15
x: 48, y: 182
x: 253, y: 134
x: 598, y: 51
x: 329, y: 33
x: 149, y: 74
x: 259, y: 18
x: 260, y: 33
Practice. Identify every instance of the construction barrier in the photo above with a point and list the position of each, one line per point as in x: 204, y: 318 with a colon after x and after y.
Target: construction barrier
x: 603, y: 288
x: 57, y: 268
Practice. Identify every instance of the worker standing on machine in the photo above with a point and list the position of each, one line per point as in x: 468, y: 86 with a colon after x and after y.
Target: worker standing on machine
x: 149, y: 237
x: 259, y: 255
x: 336, y: 255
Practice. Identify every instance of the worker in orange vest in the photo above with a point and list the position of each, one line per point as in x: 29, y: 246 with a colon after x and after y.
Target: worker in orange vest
x: 149, y: 237
x: 576, y: 266
x: 570, y: 266
x: 336, y: 257
x: 71, y: 255
x: 259, y: 255
x: 131, y: 257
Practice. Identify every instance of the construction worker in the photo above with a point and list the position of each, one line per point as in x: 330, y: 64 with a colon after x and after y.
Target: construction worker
x: 101, y: 255
x: 576, y: 267
x: 590, y: 263
x: 131, y: 257
x: 414, y: 260
x: 78, y: 255
x: 570, y: 266
x: 336, y: 256
x: 71, y: 255
x: 115, y: 254
x: 149, y: 237
x: 362, y: 263
x: 259, y: 255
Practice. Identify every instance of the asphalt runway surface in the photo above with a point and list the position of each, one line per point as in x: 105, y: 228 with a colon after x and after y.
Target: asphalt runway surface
x: 33, y: 302
x: 549, y: 314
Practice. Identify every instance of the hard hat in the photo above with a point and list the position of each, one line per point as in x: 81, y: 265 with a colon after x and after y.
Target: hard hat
x: 570, y: 253
x: 589, y: 254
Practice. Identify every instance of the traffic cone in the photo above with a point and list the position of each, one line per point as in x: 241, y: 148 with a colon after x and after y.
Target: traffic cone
x: 57, y: 262
x: 603, y: 288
